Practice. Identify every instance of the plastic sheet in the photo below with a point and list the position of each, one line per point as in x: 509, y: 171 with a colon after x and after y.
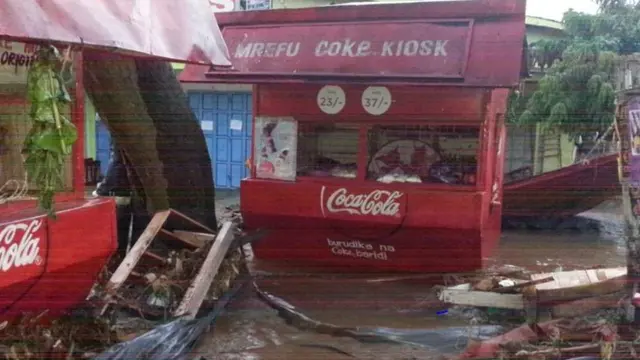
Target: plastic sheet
x: 445, y: 340
x: 184, y: 30
x: 173, y: 340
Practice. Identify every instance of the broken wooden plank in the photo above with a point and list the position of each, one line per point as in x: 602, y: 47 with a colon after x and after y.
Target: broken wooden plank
x: 131, y: 260
x: 196, y: 293
x: 170, y: 237
x: 196, y: 238
x: 156, y: 257
x: 187, y: 223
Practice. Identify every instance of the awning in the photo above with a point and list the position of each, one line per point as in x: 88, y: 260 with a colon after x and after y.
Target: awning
x: 183, y: 30
x: 474, y: 43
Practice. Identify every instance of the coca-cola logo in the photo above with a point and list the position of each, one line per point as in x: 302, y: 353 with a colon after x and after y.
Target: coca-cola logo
x: 19, y: 245
x: 376, y: 203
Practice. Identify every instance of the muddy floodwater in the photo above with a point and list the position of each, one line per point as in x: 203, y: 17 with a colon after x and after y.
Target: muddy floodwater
x: 252, y: 330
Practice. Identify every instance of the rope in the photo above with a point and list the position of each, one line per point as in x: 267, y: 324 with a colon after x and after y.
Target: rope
x: 600, y: 141
x: 21, y: 187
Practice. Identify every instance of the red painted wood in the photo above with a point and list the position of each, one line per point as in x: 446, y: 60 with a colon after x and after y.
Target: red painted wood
x: 412, y: 49
x: 432, y: 228
x: 434, y: 223
x: 418, y: 227
x: 59, y: 259
x: 494, y: 158
x: 53, y: 264
x: 78, y: 120
x: 568, y: 191
x: 449, y: 105
x: 495, y: 58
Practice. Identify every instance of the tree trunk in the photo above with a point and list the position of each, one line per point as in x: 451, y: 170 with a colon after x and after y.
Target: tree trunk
x: 180, y: 142
x: 148, y: 115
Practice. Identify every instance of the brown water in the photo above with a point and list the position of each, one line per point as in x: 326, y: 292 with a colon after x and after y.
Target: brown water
x: 251, y: 330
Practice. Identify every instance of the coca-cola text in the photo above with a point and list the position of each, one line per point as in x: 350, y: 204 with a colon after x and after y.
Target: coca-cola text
x: 376, y: 203
x: 17, y: 252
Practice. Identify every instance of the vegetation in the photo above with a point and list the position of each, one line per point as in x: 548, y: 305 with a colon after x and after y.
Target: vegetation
x: 577, y: 92
x: 52, y: 135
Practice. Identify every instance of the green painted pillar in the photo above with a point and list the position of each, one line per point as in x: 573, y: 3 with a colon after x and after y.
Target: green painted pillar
x: 89, y: 129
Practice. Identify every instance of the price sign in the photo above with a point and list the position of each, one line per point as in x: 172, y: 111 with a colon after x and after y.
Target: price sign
x: 376, y: 100
x: 331, y: 99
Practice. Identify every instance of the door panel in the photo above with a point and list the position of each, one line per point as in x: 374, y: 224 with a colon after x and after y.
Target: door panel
x: 226, y: 122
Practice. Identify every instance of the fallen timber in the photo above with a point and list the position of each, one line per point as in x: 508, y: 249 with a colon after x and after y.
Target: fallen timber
x: 564, y: 293
x: 147, y: 307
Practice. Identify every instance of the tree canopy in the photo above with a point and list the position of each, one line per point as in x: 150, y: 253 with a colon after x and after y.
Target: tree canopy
x: 576, y: 94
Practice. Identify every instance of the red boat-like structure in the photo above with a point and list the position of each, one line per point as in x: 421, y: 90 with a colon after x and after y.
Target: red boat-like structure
x: 565, y: 192
x: 378, y: 130
x: 48, y: 263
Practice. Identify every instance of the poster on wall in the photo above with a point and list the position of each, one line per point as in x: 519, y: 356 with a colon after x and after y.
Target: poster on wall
x: 276, y: 148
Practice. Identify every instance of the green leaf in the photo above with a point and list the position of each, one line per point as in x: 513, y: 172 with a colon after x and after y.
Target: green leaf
x: 52, y: 135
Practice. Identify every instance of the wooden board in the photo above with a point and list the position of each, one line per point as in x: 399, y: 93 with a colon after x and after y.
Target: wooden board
x: 124, y: 269
x: 577, y: 284
x: 462, y: 295
x: 196, y: 238
x: 566, y: 286
x: 198, y: 289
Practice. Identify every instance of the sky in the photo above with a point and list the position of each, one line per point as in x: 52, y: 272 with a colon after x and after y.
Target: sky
x: 553, y: 9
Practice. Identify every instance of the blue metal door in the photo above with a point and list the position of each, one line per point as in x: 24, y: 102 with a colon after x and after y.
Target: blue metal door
x: 225, y: 118
x: 103, y: 146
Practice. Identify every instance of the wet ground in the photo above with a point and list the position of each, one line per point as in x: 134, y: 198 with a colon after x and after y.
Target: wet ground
x: 252, y: 330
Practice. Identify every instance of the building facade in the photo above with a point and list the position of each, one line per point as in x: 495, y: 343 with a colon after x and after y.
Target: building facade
x: 225, y: 110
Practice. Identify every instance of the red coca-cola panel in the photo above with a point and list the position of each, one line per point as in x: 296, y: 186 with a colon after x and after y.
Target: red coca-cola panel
x: 376, y: 205
x: 52, y: 264
x: 404, y: 48
x: 24, y: 248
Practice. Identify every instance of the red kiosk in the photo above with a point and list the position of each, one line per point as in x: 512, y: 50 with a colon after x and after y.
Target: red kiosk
x: 378, y: 130
x: 51, y: 263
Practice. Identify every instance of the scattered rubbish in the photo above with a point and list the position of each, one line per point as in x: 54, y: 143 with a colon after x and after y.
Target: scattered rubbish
x: 562, y: 338
x: 145, y: 305
x: 560, y: 291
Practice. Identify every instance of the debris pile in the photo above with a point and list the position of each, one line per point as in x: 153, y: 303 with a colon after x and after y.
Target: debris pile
x: 584, y: 308
x: 559, y: 339
x: 68, y: 337
x: 166, y: 275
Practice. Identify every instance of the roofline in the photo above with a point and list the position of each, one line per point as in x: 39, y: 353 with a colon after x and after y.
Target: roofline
x: 543, y: 22
x: 477, y: 9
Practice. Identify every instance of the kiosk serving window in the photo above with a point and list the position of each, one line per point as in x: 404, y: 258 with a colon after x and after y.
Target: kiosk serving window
x: 423, y: 154
x: 286, y: 149
x: 328, y: 150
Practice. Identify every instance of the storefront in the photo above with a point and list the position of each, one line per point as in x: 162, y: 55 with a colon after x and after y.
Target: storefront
x: 39, y: 253
x: 50, y: 258
x: 378, y: 130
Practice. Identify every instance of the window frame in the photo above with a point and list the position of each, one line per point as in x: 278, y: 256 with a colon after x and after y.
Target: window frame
x: 363, y: 155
